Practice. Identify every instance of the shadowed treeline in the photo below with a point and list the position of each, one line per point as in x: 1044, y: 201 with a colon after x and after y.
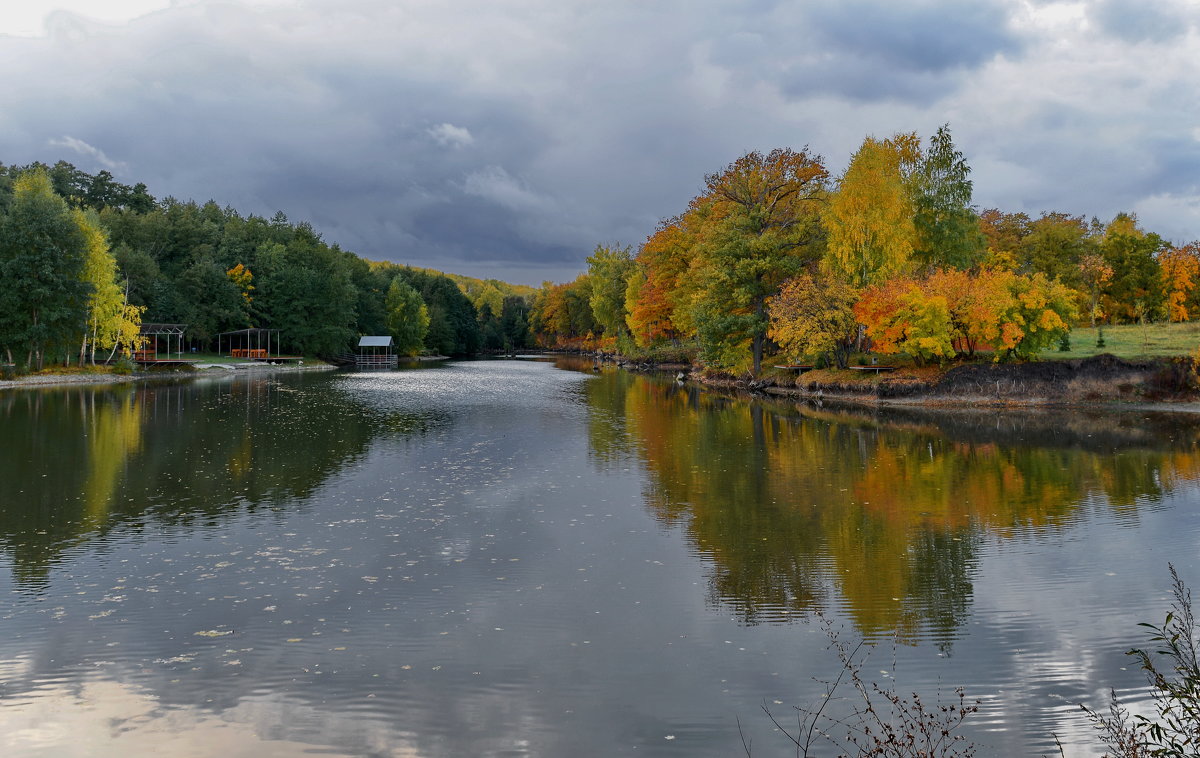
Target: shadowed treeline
x: 801, y: 508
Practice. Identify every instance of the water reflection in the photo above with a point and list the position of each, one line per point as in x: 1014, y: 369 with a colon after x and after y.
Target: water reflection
x: 79, y: 461
x: 799, y: 508
x: 501, y: 558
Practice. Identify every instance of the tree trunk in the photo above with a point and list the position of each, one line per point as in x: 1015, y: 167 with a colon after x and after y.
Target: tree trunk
x: 759, y: 338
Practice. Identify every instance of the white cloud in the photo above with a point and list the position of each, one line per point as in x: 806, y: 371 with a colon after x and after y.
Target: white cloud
x: 449, y: 135
x: 28, y: 18
x: 83, y: 148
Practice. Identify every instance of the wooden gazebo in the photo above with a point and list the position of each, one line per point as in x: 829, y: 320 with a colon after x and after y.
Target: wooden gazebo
x: 376, y: 352
x: 249, y: 343
x: 150, y: 336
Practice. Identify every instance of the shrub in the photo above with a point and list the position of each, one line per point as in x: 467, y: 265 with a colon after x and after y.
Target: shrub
x: 124, y: 366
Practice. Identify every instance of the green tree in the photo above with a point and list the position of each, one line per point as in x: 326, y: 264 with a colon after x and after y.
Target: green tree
x: 1055, y: 245
x: 407, y: 317
x: 42, y: 257
x: 1135, y: 289
x: 948, y: 232
x: 514, y: 322
x: 766, y: 230
x: 609, y: 269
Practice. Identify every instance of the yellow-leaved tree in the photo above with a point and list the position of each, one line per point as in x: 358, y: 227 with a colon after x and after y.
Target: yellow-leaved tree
x: 814, y: 317
x: 111, y: 322
x: 869, y: 219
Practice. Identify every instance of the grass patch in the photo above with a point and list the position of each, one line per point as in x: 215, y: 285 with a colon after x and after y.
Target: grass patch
x: 1133, y: 341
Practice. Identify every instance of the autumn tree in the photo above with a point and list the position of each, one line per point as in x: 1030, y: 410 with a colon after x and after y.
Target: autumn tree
x: 660, y: 306
x: 901, y: 316
x: 1004, y: 234
x: 1094, y: 273
x: 975, y: 303
x: 814, y: 317
x: 42, y: 256
x: 768, y: 227
x: 111, y: 322
x: 407, y: 317
x: 948, y: 233
x: 952, y: 311
x: 1038, y: 314
x: 869, y: 219
x: 1180, y: 266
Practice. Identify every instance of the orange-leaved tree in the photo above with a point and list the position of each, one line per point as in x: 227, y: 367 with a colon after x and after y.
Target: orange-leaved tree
x: 901, y: 316
x: 1180, y: 266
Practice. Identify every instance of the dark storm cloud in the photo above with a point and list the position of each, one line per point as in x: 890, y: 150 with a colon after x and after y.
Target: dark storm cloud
x: 921, y: 36
x: 513, y: 137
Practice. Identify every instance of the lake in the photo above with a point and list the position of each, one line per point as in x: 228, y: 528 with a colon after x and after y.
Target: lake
x: 530, y: 558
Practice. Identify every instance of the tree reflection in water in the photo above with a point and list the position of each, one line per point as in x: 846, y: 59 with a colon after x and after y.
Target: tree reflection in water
x: 798, y: 508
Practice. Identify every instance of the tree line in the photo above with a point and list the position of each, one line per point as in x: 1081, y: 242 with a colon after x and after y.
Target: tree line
x: 777, y: 257
x: 87, y: 259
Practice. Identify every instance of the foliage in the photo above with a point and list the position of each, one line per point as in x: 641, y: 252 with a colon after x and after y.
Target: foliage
x: 112, y: 322
x: 948, y: 233
x: 1038, y: 313
x: 661, y: 290
x: 1132, y: 255
x: 407, y: 317
x: 1180, y: 267
x: 869, y: 219
x: 609, y: 269
x: 1094, y: 273
x: 766, y: 228
x: 902, y: 316
x: 811, y: 317
x: 951, y: 312
x: 43, y: 252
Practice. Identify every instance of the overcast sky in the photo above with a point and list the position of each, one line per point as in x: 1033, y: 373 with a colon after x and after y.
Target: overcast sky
x: 508, y: 137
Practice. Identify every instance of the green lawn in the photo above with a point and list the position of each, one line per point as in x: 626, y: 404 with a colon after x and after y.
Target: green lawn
x: 1133, y: 341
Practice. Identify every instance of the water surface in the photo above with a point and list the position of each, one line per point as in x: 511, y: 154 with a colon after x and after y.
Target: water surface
x: 524, y: 558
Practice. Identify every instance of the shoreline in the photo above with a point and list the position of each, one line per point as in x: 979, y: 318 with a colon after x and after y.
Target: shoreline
x: 1099, y: 382
x: 206, y: 369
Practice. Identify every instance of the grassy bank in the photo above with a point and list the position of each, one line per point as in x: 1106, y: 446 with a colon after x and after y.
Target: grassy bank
x: 1134, y: 341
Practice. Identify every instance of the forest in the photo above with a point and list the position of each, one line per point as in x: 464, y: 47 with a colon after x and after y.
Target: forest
x: 774, y: 258
x: 88, y: 259
x: 778, y: 258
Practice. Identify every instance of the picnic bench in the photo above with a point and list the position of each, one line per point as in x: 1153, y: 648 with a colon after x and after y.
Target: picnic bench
x: 241, y: 352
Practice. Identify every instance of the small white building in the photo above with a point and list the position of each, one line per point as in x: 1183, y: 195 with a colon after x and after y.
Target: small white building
x: 376, y: 352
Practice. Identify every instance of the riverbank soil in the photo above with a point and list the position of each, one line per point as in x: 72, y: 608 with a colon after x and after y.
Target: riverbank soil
x: 1101, y: 378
